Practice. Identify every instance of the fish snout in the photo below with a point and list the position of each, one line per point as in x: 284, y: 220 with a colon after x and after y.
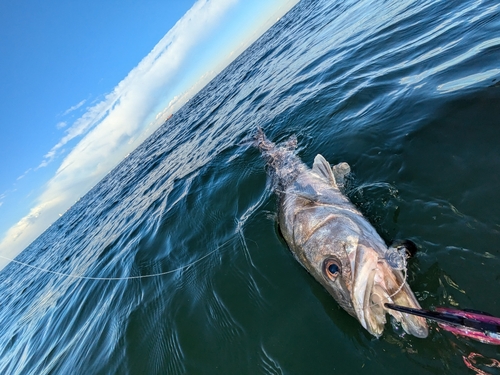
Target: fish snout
x: 376, y: 284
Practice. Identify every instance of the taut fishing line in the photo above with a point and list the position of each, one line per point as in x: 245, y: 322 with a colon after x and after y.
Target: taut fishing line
x: 238, y: 232
x: 113, y: 278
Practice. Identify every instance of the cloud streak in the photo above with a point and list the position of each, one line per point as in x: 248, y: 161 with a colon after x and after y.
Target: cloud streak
x: 74, y: 108
x: 118, y: 124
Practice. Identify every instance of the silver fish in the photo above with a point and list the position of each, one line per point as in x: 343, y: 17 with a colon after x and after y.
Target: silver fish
x: 334, y: 242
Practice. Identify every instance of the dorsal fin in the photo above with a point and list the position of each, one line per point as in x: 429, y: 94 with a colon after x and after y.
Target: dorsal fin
x: 322, y: 168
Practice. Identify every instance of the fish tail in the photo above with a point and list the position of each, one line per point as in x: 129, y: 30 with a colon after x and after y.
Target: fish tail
x: 282, y: 163
x: 266, y: 146
x: 261, y: 141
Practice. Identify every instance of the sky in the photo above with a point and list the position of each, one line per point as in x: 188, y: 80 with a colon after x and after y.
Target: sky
x: 83, y: 83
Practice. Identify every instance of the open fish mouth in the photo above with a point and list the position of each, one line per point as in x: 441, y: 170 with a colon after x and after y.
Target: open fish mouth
x: 375, y: 284
x: 330, y: 237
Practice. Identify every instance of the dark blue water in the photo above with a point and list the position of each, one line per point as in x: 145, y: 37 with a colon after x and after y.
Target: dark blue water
x: 406, y: 92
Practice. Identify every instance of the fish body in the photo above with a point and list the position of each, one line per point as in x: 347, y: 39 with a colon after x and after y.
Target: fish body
x: 334, y: 242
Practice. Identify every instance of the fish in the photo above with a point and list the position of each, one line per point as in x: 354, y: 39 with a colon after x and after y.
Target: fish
x: 334, y: 242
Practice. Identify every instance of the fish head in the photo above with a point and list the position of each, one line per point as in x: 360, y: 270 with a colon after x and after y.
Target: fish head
x: 361, y: 281
x: 374, y: 283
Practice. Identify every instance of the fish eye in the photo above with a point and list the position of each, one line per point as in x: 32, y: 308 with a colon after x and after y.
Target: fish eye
x: 332, y: 268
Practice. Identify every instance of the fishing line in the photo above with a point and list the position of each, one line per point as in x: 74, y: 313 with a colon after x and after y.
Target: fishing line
x: 113, y: 278
x: 389, y: 298
x: 238, y: 232
x: 405, y: 274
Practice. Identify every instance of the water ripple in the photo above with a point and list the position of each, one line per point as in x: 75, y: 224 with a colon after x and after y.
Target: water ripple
x: 268, y: 364
x: 402, y: 90
x: 472, y: 52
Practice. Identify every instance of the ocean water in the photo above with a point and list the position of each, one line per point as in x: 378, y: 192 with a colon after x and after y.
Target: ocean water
x: 199, y: 280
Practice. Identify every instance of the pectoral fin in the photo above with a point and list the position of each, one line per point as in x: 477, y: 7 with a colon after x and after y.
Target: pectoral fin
x: 340, y: 171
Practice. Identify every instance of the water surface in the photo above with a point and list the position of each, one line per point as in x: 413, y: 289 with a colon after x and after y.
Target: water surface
x: 406, y: 92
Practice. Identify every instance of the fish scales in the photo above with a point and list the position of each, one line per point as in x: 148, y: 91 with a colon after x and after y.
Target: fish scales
x: 333, y: 241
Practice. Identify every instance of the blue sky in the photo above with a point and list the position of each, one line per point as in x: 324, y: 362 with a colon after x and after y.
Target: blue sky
x: 83, y: 83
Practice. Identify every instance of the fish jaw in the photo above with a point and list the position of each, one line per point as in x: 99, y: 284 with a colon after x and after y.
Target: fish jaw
x: 374, y: 283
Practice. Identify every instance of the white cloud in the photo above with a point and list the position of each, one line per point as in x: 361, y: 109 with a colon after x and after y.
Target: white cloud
x: 74, y: 108
x: 116, y: 125
x: 143, y: 86
x: 22, y: 176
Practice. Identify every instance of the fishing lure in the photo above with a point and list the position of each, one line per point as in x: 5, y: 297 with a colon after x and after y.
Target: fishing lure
x: 476, y: 325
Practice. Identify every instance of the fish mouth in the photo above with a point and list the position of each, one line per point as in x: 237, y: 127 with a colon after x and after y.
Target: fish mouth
x: 377, y: 283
